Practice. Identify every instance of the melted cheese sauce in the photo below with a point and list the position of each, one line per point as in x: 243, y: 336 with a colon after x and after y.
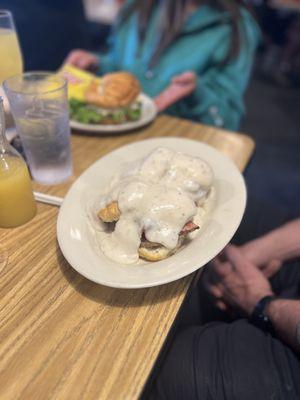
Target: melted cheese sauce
x: 156, y: 196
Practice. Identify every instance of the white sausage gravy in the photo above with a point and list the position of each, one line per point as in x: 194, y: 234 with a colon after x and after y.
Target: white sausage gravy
x: 157, y: 196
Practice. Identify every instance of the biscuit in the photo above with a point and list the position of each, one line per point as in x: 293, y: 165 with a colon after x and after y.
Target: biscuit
x: 159, y: 253
x: 110, y: 213
x: 149, y: 251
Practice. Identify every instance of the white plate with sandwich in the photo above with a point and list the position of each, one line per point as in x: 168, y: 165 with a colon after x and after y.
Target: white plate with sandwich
x: 148, y: 113
x: 109, y: 104
x: 146, y: 214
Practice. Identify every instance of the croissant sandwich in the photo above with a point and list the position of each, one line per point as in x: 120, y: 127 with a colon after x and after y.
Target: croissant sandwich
x: 110, y: 100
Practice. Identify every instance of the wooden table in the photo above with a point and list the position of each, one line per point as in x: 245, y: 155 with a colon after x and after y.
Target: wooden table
x: 64, y: 337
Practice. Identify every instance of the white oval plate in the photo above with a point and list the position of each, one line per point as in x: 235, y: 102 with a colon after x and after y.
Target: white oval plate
x: 149, y: 112
x: 77, y: 242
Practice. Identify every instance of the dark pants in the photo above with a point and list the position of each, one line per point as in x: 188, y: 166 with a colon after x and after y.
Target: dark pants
x: 216, y: 357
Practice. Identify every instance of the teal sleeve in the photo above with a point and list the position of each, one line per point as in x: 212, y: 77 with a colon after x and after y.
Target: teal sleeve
x: 108, y: 61
x: 218, y: 98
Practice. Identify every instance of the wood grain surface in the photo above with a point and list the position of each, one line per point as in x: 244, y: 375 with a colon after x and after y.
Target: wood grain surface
x: 64, y: 337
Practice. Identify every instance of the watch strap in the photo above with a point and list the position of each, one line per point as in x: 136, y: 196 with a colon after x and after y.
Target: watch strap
x: 259, y: 317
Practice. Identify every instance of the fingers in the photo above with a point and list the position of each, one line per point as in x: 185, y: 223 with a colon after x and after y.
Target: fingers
x: 222, y: 269
x: 215, y: 291
x: 221, y: 305
x: 271, y: 268
x: 171, y: 95
x: 210, y: 283
x: 211, y: 280
x: 87, y: 62
x: 163, y: 101
x: 238, y: 260
x: 181, y: 86
x: 185, y: 77
x: 73, y: 57
x: 257, y: 251
x: 82, y: 59
x: 236, y: 257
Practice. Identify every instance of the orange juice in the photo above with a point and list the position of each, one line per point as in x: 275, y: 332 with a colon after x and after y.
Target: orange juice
x: 11, y: 57
x: 17, y: 204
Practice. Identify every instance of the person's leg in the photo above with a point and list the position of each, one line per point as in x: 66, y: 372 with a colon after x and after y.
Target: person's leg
x: 199, y: 307
x: 221, y: 361
x: 201, y: 358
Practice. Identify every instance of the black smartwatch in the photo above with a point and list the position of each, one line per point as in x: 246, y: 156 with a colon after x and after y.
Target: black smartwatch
x: 258, y: 316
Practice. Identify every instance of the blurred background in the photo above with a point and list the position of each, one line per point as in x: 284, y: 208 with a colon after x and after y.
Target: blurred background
x: 272, y: 100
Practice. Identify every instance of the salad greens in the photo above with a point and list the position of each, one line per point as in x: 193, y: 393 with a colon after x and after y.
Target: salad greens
x: 90, y: 114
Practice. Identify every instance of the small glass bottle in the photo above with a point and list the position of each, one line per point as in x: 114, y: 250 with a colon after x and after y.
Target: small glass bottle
x: 17, y: 204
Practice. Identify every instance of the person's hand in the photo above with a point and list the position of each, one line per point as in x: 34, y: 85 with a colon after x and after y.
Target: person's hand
x: 181, y: 86
x: 236, y: 282
x: 82, y: 59
x: 259, y: 255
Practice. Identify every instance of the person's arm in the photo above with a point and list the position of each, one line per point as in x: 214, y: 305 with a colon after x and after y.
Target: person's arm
x: 239, y: 284
x: 100, y: 63
x: 281, y: 244
x: 218, y: 98
x: 214, y: 99
x: 180, y: 87
x: 285, y: 317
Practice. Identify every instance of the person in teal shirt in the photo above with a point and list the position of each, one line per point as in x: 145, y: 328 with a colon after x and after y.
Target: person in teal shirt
x: 193, y: 57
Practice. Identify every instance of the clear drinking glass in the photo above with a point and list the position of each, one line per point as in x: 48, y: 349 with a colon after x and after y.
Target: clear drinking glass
x: 39, y: 105
x: 11, y: 62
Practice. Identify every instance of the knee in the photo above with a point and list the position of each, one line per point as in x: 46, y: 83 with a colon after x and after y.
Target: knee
x: 178, y: 377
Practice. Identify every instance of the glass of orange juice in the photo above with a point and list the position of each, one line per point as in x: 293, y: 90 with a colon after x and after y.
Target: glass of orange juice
x: 11, y: 56
x: 17, y: 204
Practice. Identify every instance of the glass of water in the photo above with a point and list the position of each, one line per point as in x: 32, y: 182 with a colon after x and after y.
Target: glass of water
x: 39, y: 105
